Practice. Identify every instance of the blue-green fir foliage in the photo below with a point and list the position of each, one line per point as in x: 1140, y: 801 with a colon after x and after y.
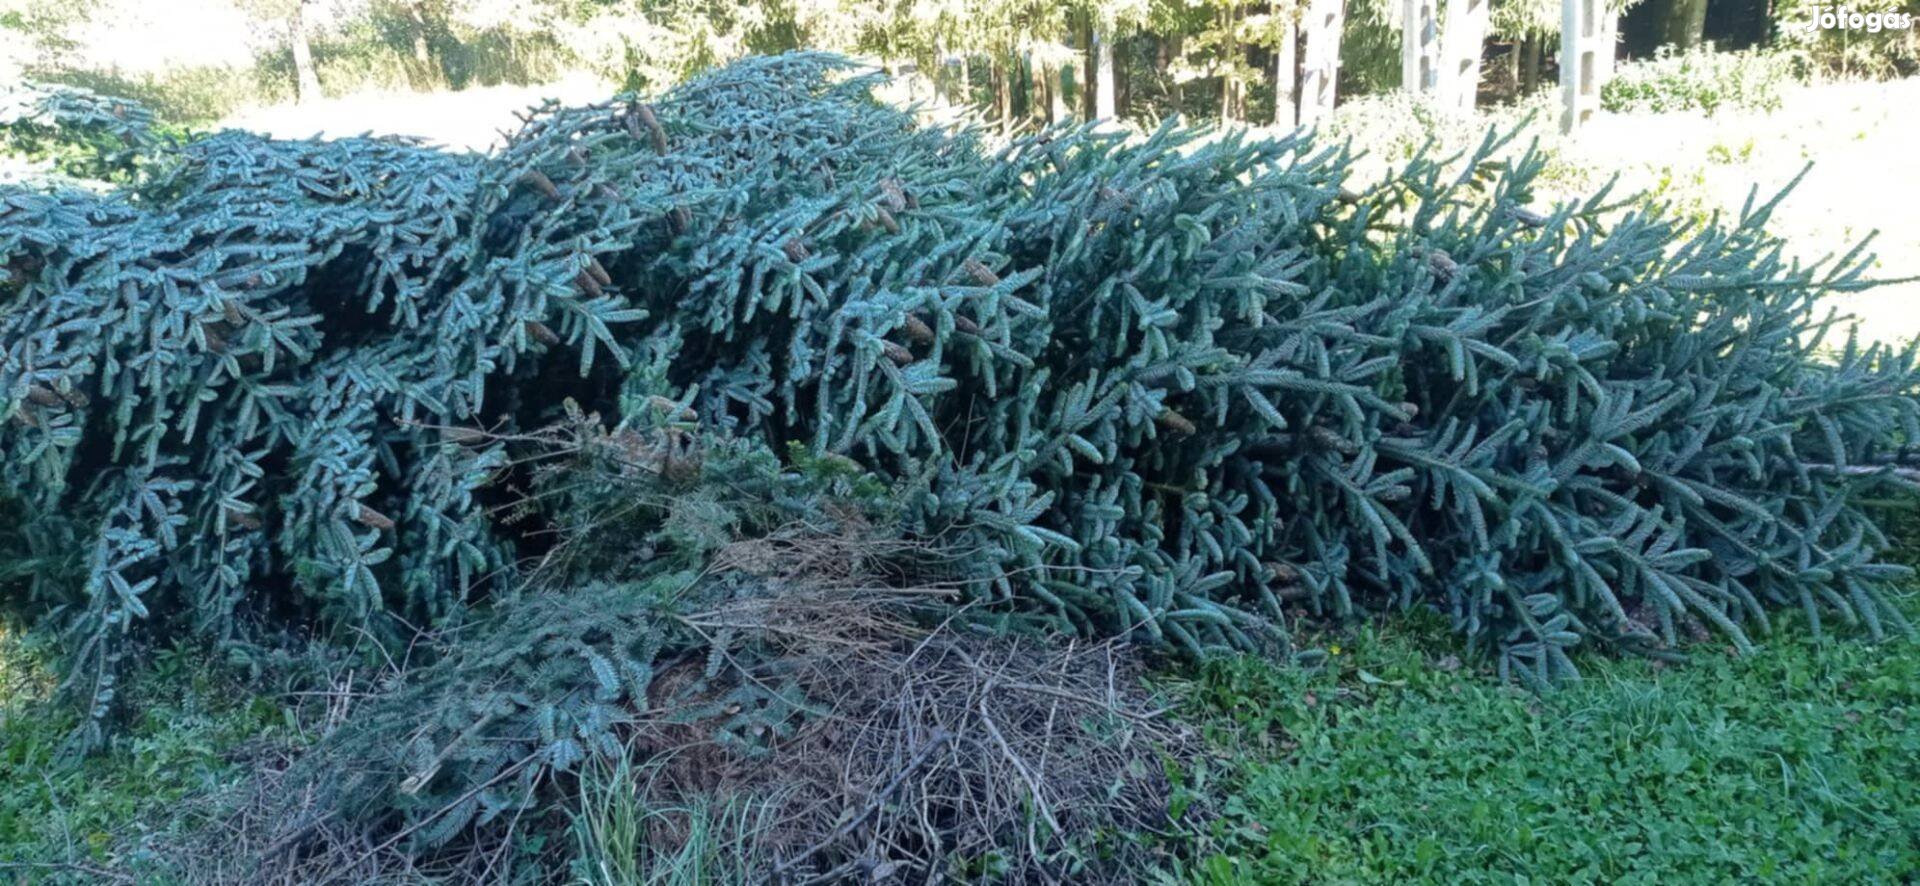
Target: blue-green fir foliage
x: 1179, y: 385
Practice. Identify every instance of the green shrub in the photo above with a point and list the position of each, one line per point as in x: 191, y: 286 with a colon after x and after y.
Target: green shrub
x: 376, y: 52
x: 182, y: 96
x: 1852, y: 51
x: 80, y: 134
x: 1389, y: 130
x: 1703, y: 80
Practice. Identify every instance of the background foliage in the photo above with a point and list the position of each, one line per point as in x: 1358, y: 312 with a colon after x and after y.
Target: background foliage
x: 1704, y: 81
x: 1025, y: 63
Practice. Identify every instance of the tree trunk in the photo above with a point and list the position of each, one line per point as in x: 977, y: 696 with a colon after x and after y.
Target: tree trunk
x: 306, y: 80
x: 1320, y: 68
x: 1607, y: 43
x: 1070, y: 100
x: 1171, y: 50
x: 1461, y: 45
x: 1023, y: 99
x: 1682, y: 23
x: 1003, y: 93
x: 1530, y: 64
x: 1039, y: 97
x: 1056, y: 93
x: 418, y: 17
x: 1224, y: 21
x: 1286, y: 63
x: 942, y: 74
x: 1419, y: 47
x: 1101, y: 51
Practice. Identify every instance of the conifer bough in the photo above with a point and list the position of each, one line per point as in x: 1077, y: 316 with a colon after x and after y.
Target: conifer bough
x: 1169, y: 385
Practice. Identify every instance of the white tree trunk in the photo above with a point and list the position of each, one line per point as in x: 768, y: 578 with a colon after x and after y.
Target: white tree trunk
x: 1286, y: 59
x: 306, y: 80
x: 1587, y: 34
x: 1419, y: 46
x: 1102, y: 61
x: 1607, y: 38
x: 1320, y: 70
x: 1460, y: 48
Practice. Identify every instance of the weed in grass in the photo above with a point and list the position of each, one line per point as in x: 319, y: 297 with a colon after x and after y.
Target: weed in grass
x: 612, y: 823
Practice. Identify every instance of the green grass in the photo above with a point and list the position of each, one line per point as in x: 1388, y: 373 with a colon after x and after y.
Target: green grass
x: 69, y: 819
x: 610, y: 827
x: 1799, y: 763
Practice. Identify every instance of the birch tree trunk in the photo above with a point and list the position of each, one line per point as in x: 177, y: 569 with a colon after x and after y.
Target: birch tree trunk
x: 1003, y: 94
x: 1461, y: 46
x: 1286, y: 63
x: 1419, y: 46
x: 1229, y: 52
x: 1102, y: 62
x: 1320, y: 68
x: 306, y: 80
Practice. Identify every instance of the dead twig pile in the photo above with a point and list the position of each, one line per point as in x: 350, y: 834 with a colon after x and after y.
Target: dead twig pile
x: 772, y: 658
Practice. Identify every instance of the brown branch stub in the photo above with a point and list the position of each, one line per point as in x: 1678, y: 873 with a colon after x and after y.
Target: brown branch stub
x: 1526, y: 216
x: 541, y: 184
x: 643, y: 120
x: 242, y: 519
x: 598, y: 272
x: 1179, y: 424
x: 918, y: 330
x: 371, y: 518
x: 586, y: 283
x: 672, y: 410
x: 980, y: 273
x: 541, y: 333
x: 892, y: 195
